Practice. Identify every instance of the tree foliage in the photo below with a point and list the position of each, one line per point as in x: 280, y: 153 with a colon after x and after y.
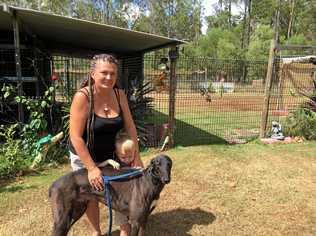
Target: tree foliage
x: 254, y: 27
x: 241, y: 33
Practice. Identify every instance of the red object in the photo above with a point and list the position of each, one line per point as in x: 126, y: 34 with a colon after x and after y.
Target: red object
x: 54, y: 77
x: 280, y: 113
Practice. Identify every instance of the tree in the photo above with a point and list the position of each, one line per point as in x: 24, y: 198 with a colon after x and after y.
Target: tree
x: 175, y: 18
x: 260, y: 43
x: 218, y: 43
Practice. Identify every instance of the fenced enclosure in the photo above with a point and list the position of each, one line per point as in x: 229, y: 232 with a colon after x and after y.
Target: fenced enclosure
x: 35, y: 71
x: 216, y: 100
x: 293, y: 80
x: 69, y: 72
x: 223, y: 100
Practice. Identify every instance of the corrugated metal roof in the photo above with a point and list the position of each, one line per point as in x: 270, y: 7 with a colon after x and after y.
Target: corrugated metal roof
x: 65, y: 34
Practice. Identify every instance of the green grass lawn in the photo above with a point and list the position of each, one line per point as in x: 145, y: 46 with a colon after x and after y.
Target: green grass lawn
x: 250, y: 189
x: 206, y: 127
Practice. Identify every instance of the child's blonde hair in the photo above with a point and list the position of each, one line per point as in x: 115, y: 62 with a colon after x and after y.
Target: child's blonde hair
x: 123, y: 140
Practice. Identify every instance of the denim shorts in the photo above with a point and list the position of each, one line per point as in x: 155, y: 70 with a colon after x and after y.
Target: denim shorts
x: 75, y: 162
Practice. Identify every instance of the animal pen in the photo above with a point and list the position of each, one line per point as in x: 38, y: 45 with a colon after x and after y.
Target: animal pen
x: 231, y: 100
x: 215, y: 100
x: 197, y: 100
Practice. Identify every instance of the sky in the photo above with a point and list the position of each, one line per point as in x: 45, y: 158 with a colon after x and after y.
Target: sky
x: 208, y: 10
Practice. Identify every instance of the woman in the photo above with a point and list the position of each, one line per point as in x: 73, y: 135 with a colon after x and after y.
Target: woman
x: 98, y: 111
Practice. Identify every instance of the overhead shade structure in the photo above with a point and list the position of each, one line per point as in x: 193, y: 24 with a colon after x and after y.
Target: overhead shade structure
x: 71, y: 35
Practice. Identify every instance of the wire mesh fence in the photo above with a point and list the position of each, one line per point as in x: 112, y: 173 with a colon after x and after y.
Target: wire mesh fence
x: 31, y: 81
x: 216, y: 100
x: 222, y: 100
x: 293, y: 82
x: 69, y: 72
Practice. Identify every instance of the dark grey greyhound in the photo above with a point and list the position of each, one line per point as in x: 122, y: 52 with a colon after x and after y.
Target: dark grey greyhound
x: 70, y: 194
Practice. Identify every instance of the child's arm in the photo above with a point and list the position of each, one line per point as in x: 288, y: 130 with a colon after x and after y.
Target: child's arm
x: 111, y: 162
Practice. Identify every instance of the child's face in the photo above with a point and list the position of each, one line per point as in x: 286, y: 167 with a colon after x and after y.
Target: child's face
x: 125, y: 156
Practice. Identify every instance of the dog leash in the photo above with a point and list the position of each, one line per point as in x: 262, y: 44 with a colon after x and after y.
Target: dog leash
x: 107, y: 195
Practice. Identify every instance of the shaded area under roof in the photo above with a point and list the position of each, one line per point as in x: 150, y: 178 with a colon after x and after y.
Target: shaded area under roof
x: 69, y: 35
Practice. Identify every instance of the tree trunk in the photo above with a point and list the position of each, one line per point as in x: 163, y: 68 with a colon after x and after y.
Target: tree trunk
x: 249, y: 23
x: 230, y: 13
x: 107, y: 12
x: 243, y: 34
x: 220, y: 3
x: 289, y: 29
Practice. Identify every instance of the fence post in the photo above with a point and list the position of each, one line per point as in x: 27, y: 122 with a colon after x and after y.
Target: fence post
x: 68, y: 86
x: 267, y: 90
x: 173, y: 55
x: 18, y: 63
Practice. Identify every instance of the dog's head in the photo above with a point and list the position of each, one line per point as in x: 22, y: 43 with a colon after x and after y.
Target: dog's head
x: 161, y: 168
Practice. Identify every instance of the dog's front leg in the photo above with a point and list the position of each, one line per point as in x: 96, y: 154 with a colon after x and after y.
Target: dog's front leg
x: 141, y: 231
x: 138, y: 228
x: 135, y: 228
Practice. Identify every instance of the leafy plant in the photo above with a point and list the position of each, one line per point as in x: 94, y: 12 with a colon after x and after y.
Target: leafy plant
x: 302, y: 122
x: 140, y: 106
x: 65, y: 119
x: 12, y: 158
x: 310, y: 104
x: 20, y: 139
x: 37, y: 121
x: 7, y: 94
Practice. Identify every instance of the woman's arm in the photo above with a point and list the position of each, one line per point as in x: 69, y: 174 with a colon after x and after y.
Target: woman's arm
x: 130, y: 128
x: 78, y: 119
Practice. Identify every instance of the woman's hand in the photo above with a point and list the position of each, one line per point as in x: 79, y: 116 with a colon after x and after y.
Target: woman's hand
x: 95, y: 178
x: 137, y: 161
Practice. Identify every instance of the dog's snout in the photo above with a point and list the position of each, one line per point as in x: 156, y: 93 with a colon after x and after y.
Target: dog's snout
x: 166, y: 180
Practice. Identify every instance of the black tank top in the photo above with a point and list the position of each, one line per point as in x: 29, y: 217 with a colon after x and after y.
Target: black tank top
x: 105, y: 130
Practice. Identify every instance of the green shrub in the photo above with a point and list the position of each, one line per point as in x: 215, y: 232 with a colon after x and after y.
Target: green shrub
x: 12, y: 159
x: 301, y: 122
x: 19, y: 147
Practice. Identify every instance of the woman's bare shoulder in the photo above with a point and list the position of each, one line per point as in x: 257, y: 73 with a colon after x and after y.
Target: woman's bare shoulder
x: 80, y: 98
x: 82, y: 93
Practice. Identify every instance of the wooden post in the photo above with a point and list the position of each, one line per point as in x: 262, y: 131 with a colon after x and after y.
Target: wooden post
x: 68, y: 87
x: 267, y: 90
x: 280, y: 100
x: 18, y: 63
x: 173, y: 55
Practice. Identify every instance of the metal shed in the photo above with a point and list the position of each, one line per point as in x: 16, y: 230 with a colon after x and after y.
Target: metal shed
x: 29, y: 36
x: 60, y: 34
